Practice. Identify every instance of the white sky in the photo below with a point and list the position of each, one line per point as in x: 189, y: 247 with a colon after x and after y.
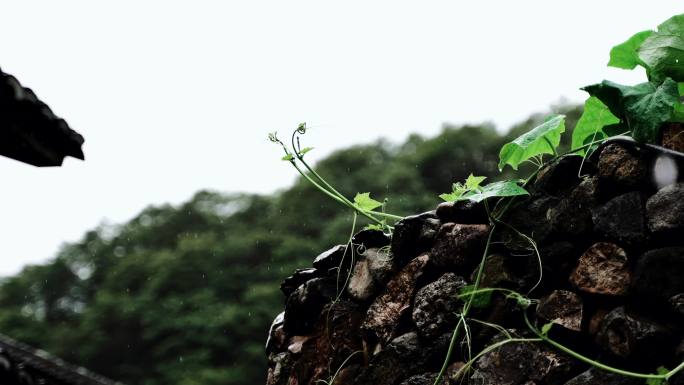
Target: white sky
x: 175, y: 97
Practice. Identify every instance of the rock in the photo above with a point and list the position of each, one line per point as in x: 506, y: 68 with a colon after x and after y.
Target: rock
x: 459, y: 246
x: 382, y: 318
x: 304, y: 305
x: 278, y: 369
x: 276, y: 335
x: 528, y: 217
x: 677, y: 302
x: 414, y: 235
x: 372, y: 270
x: 659, y: 275
x: 559, y: 259
x: 335, y: 338
x: 622, y: 219
x: 463, y: 212
x: 560, y: 175
x: 496, y: 273
x: 300, y: 276
x: 586, y: 193
x: 596, y: 319
x: 595, y: 376
x: 405, y: 356
x: 622, y: 168
x: 570, y: 217
x: 331, y: 258
x: 673, y: 136
x: 603, y: 269
x: 516, y: 363
x: 628, y: 335
x: 562, y: 308
x: 421, y: 379
x: 665, y: 210
x: 371, y: 239
x: 436, y: 305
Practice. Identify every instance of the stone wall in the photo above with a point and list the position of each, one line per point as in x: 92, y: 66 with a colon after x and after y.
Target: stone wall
x: 382, y: 310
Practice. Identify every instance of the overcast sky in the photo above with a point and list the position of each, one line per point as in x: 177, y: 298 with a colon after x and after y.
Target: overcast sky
x: 175, y: 97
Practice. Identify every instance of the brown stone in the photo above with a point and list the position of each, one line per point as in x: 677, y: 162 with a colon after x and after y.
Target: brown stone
x: 602, y: 269
x: 619, y: 166
x: 562, y: 308
x: 384, y: 313
x: 673, y: 136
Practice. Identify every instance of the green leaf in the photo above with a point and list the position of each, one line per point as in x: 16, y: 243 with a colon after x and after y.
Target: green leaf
x: 375, y: 226
x: 546, y: 328
x: 626, y: 55
x: 543, y: 139
x: 305, y: 150
x: 450, y: 197
x: 479, y: 300
x: 507, y: 188
x: 288, y: 157
x: 473, y: 182
x: 643, y: 107
x: 365, y: 202
x: 591, y: 124
x: 663, y: 51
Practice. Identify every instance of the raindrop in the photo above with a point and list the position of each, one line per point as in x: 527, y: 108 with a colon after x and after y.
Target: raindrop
x: 665, y: 171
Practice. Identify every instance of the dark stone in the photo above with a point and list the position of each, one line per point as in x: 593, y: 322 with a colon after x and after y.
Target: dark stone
x: 595, y: 376
x: 464, y: 212
x: 334, y: 339
x: 559, y: 259
x: 562, y: 308
x: 516, y: 363
x: 529, y: 217
x: 459, y: 246
x: 304, y: 305
x: 677, y: 302
x: 632, y: 336
x: 278, y: 369
x: 665, y: 210
x: 621, y: 168
x: 421, y: 379
x: 382, y: 318
x: 622, y: 219
x: 603, y: 269
x: 414, y: 235
x: 659, y: 274
x: 371, y: 272
x: 405, y: 356
x: 586, y: 194
x: 371, y: 239
x: 331, y: 258
x: 570, y: 217
x: 560, y: 175
x: 276, y: 335
x: 300, y: 276
x: 436, y: 305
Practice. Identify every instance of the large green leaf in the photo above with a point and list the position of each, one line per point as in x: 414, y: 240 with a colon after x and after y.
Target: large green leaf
x: 663, y: 51
x: 643, y: 108
x: 507, y: 188
x: 543, y: 139
x: 626, y: 55
x: 591, y: 124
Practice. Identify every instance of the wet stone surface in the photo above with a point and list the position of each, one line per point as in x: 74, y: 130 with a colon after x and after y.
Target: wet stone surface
x: 436, y: 306
x: 603, y: 269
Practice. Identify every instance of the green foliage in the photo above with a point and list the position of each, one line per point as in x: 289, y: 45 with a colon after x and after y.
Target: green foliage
x: 365, y: 202
x: 626, y: 55
x: 643, y: 107
x: 507, y: 188
x: 546, y: 328
x: 663, y: 51
x: 594, y: 124
x: 543, y: 139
